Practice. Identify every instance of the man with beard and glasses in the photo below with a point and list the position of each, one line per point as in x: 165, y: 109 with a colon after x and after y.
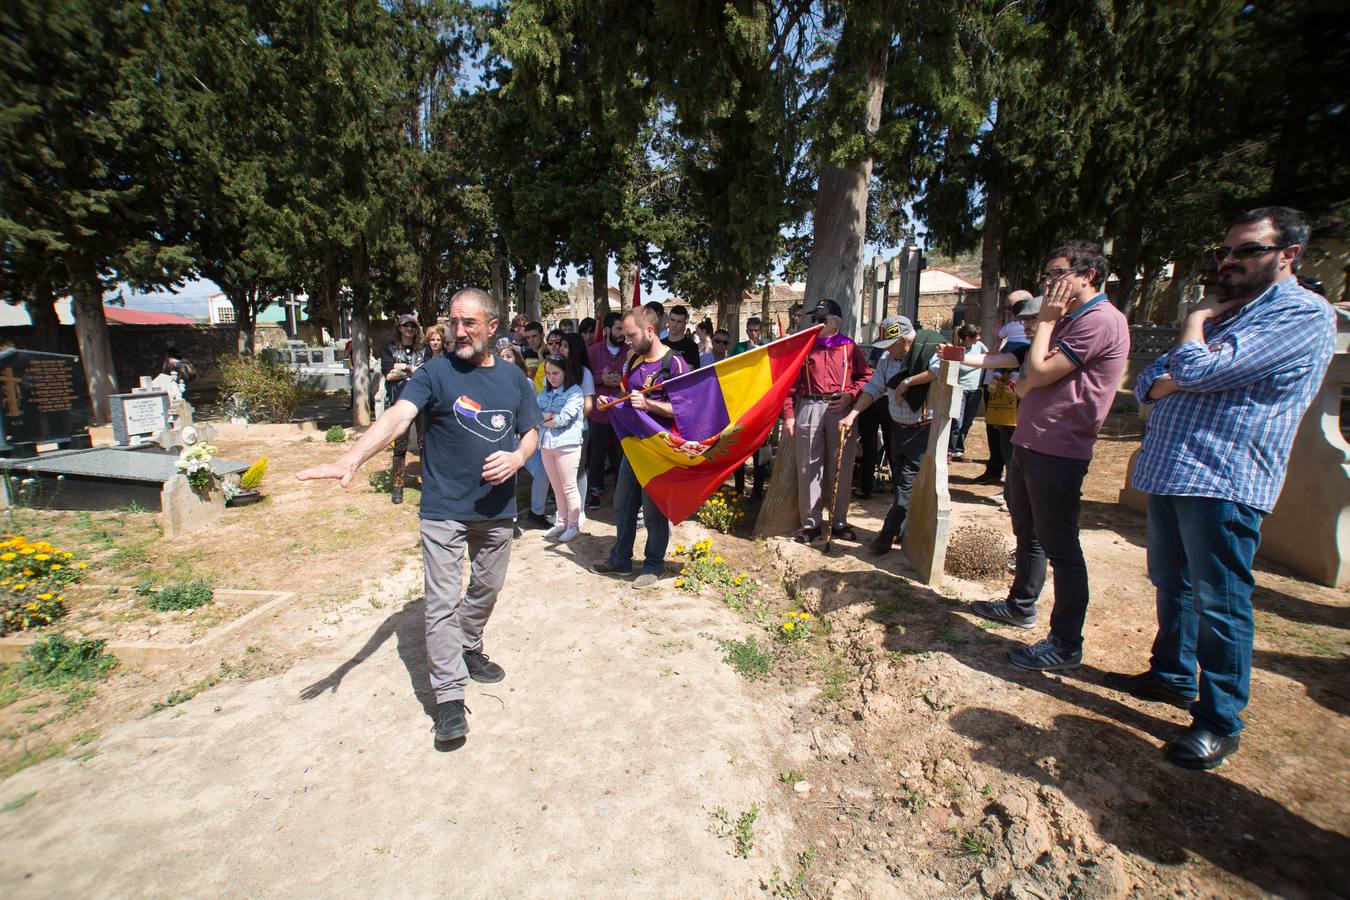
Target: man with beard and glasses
x: 482, y: 424
x: 1228, y: 400
x: 607, y: 358
x: 652, y: 364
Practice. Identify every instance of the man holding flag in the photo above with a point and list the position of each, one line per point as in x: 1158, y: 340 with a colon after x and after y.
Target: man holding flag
x: 652, y: 364
x: 834, y: 374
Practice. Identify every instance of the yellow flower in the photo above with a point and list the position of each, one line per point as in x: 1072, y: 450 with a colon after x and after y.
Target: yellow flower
x: 679, y: 548
x: 42, y: 557
x: 44, y: 596
x: 82, y: 566
x: 805, y: 616
x: 26, y: 551
x: 68, y: 555
x: 787, y: 626
x: 55, y: 566
x: 7, y: 556
x: 20, y: 586
x: 679, y: 582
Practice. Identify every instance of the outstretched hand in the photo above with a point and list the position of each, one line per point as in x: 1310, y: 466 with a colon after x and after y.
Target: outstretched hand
x: 336, y: 470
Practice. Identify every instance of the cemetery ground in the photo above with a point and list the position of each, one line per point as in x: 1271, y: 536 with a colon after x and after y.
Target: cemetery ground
x: 677, y: 741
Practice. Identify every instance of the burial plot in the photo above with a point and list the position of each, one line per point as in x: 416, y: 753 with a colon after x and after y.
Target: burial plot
x: 138, y: 417
x: 101, y: 477
x: 43, y: 400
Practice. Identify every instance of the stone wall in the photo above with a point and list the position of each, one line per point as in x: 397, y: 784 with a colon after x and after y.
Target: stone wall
x: 139, y: 349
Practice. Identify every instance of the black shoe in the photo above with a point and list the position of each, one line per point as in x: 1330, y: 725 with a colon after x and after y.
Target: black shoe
x: 537, y: 520
x: 604, y: 568
x: 862, y: 494
x: 998, y: 611
x: 844, y: 533
x: 807, y: 535
x: 481, y: 669
x: 396, y: 495
x: 881, y: 544
x: 1148, y: 686
x: 450, y: 721
x: 594, y: 499
x: 1196, y: 748
x: 988, y: 478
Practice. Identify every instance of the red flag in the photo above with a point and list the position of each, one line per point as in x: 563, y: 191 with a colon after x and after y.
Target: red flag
x: 637, y: 287
x: 781, y: 332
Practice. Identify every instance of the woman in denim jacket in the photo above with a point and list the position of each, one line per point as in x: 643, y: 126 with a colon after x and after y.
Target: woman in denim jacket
x: 563, y: 405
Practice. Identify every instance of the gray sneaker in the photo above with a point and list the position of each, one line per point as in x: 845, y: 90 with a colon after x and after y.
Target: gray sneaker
x: 645, y: 580
x: 998, y: 611
x: 1049, y: 655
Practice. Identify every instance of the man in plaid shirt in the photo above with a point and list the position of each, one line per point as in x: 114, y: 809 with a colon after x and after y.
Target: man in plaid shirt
x: 1229, y: 398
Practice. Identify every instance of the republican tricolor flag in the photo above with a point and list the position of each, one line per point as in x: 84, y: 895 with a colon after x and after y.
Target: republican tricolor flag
x: 722, y: 414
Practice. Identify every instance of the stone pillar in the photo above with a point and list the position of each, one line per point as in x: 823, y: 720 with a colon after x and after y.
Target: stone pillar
x: 183, y: 510
x: 532, y: 297
x: 928, y: 524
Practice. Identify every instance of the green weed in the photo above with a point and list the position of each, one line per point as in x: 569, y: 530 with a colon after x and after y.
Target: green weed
x: 336, y: 435
x: 748, y: 657
x: 59, y: 661
x: 18, y: 802
x: 741, y: 829
x: 185, y: 593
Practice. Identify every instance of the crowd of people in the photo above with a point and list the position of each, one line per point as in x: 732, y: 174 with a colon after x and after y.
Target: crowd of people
x: 1225, y: 404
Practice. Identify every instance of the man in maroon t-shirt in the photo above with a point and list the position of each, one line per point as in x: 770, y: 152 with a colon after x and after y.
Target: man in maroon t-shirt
x: 652, y: 363
x: 1071, y: 373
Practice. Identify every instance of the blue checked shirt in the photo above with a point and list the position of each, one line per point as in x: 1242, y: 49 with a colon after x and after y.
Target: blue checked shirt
x: 1227, y: 433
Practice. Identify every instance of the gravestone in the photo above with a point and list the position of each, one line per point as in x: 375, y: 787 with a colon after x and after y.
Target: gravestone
x: 43, y: 399
x: 102, y: 477
x: 137, y: 417
x: 183, y: 510
x: 928, y: 523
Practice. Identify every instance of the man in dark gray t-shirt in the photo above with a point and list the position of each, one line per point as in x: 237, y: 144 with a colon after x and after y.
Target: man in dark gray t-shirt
x: 482, y: 424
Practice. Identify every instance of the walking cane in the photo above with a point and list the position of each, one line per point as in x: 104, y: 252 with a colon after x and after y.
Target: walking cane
x: 834, y: 494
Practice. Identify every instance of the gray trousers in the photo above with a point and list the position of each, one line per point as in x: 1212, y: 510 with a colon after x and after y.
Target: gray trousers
x: 455, y: 619
x: 817, y: 437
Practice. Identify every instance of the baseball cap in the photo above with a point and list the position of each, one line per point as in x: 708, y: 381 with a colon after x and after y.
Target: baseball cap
x: 406, y: 318
x: 1029, y: 308
x: 827, y: 308
x: 893, y: 328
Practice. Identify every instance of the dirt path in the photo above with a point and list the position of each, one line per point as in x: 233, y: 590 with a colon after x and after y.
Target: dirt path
x: 592, y: 770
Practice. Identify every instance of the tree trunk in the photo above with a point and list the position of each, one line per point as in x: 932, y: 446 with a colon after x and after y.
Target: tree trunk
x: 778, y: 514
x: 600, y: 290
x: 91, y: 330
x: 361, y: 412
x: 245, y: 319
x: 532, y: 308
x: 991, y: 260
x: 765, y: 309
x: 41, y: 304
x: 1127, y: 267
x: 627, y: 277
x: 839, y: 228
x: 499, y: 288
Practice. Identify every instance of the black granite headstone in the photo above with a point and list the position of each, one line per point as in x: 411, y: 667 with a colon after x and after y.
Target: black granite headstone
x: 43, y: 399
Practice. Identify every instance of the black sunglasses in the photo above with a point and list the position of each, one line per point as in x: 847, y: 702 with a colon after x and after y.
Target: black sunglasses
x: 1245, y: 251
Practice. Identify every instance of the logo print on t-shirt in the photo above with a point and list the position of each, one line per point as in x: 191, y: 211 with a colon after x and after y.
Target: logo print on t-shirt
x: 489, y: 424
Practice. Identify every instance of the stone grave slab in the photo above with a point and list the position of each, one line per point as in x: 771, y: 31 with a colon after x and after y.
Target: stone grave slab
x: 928, y: 524
x: 43, y: 399
x: 102, y: 477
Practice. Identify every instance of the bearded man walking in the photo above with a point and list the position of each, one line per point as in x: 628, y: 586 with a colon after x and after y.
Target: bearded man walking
x: 482, y: 424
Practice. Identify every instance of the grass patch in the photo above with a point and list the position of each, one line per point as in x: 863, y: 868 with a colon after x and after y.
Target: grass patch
x: 30, y: 758
x: 18, y: 802
x: 748, y: 657
x: 185, y: 593
x: 59, y: 661
x: 834, y: 676
x: 336, y: 435
x: 779, y: 886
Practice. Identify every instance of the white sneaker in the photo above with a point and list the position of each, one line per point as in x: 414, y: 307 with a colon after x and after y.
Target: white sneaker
x: 998, y: 498
x: 569, y: 535
x: 555, y: 533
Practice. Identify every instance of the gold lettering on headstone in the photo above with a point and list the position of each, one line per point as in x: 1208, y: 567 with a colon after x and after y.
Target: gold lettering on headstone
x: 52, y: 385
x: 11, y: 390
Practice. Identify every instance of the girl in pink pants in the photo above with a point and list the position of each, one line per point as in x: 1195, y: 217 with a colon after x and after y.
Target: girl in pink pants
x: 561, y: 401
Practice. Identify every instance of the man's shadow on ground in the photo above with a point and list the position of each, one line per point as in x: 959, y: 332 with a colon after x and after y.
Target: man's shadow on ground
x: 408, y: 625
x: 920, y: 620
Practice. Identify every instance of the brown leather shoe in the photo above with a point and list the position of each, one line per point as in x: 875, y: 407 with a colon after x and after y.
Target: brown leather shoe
x: 881, y: 544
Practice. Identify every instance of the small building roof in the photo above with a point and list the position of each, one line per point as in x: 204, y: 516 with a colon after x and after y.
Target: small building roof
x: 936, y: 281
x: 118, y: 315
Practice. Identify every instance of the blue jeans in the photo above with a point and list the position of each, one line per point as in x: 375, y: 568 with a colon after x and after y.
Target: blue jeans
x: 1200, y: 552
x: 538, y: 483
x: 629, y: 497
x: 961, y: 427
x: 908, y: 446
